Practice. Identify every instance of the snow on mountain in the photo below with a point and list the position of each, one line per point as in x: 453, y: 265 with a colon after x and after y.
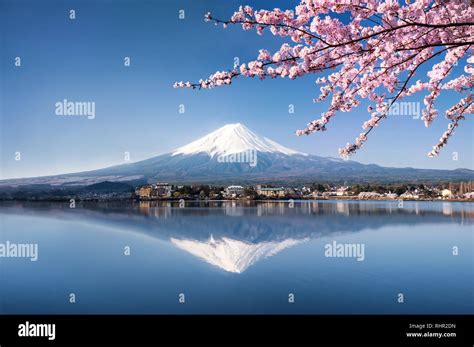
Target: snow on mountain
x: 265, y: 161
x: 233, y: 255
x: 233, y: 138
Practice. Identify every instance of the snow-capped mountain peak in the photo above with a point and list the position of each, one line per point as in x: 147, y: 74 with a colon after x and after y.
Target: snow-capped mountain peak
x: 233, y: 138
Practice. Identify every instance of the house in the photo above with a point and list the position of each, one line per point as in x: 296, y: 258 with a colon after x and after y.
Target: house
x: 447, y: 194
x: 143, y: 192
x: 409, y: 195
x: 271, y: 192
x: 161, y: 190
x: 368, y: 195
x: 391, y: 195
x: 153, y: 191
x: 469, y: 195
x: 234, y: 191
x: 342, y: 191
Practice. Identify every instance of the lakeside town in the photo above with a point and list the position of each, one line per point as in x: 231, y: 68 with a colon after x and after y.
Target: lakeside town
x: 113, y: 191
x: 447, y: 191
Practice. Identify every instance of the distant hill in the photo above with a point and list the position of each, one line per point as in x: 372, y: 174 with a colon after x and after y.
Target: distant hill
x: 108, y: 187
x: 235, y: 154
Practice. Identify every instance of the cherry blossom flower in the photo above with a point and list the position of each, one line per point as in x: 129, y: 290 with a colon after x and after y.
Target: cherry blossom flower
x: 376, y: 55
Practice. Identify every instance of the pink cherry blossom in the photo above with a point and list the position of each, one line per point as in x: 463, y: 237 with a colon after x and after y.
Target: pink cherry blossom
x: 377, y: 55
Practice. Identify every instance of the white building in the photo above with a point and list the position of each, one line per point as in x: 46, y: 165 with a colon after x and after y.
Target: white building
x: 234, y: 191
x: 469, y: 195
x: 447, y: 194
x: 409, y: 195
x: 272, y: 192
x: 390, y: 195
x: 342, y: 191
x: 368, y: 195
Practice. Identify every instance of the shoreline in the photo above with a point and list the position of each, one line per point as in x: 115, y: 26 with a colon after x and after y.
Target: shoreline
x: 288, y: 200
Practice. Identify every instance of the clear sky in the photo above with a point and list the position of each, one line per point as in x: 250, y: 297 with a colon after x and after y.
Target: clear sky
x: 137, y: 110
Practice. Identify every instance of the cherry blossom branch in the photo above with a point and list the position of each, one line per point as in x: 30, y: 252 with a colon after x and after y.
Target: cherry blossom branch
x: 350, y: 149
x: 456, y: 114
x: 372, y: 60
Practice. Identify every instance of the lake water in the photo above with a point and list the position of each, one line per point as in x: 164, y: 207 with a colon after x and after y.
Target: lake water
x: 239, y: 258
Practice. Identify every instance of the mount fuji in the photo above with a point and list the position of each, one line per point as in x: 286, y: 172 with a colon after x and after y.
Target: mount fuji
x: 235, y: 154
x: 231, y: 139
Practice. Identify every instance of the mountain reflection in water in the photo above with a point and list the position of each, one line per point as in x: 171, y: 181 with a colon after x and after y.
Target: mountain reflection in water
x: 235, y: 235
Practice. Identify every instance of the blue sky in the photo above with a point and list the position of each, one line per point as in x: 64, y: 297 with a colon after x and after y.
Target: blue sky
x: 136, y: 106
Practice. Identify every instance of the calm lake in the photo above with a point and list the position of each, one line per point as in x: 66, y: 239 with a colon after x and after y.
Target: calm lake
x: 239, y: 258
